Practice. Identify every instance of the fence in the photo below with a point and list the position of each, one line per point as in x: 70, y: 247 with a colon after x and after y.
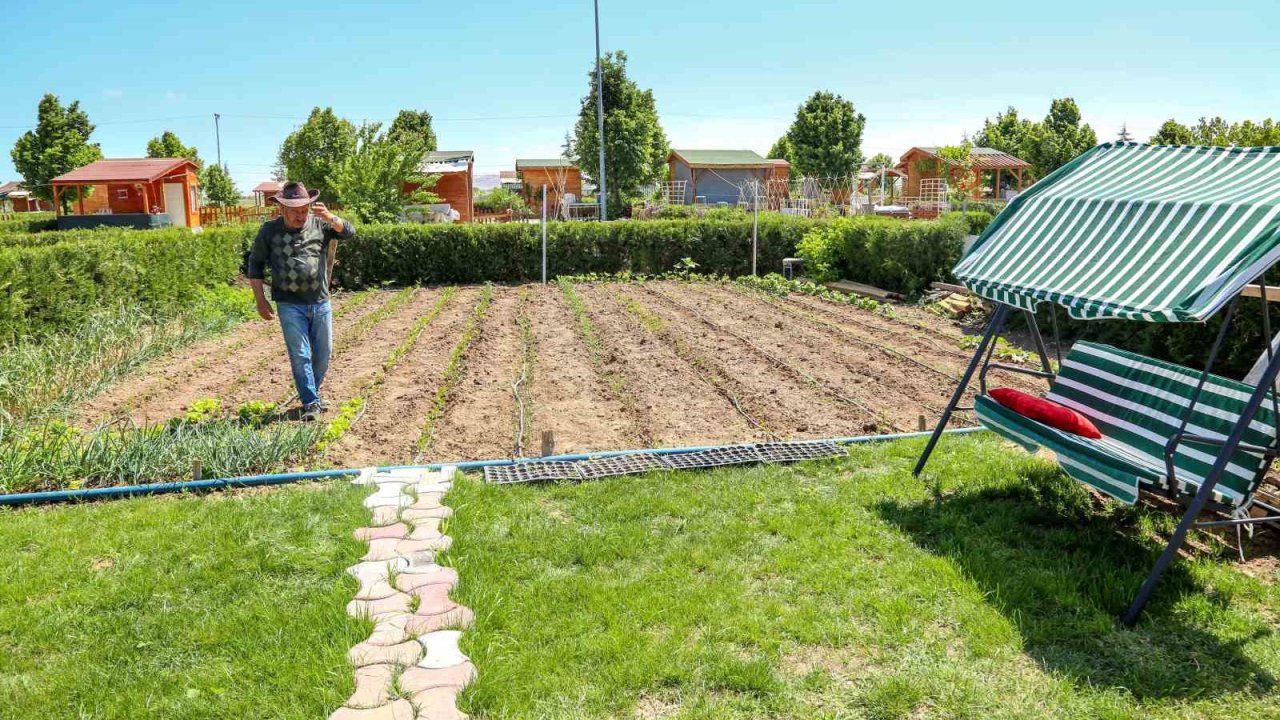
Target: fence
x: 237, y: 215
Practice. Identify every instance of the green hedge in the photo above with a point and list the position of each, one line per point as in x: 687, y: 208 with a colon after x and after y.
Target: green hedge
x: 511, y: 252
x: 47, y: 288
x: 28, y: 223
x: 899, y: 255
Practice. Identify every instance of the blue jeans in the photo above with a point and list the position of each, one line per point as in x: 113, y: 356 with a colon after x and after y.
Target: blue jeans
x: 307, y: 332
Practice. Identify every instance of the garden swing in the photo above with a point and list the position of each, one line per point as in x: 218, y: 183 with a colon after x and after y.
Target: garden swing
x: 1160, y: 234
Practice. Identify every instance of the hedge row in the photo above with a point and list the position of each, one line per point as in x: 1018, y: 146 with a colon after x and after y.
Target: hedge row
x: 47, y: 288
x: 511, y: 252
x: 28, y: 223
x: 892, y: 254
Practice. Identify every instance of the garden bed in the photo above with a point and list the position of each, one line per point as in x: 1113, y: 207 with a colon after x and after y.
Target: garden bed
x: 473, y: 372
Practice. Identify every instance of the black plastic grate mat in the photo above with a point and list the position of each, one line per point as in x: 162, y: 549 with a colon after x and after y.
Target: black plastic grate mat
x: 536, y: 471
x: 786, y: 452
x: 715, y: 457
x: 621, y: 465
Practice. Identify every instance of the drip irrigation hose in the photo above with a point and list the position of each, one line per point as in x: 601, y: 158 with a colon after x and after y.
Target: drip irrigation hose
x: 56, y: 496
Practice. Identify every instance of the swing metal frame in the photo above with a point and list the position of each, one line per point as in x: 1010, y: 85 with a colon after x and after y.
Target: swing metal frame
x: 981, y: 364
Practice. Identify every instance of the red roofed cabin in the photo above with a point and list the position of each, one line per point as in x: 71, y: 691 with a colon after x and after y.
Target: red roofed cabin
x: 455, y: 169
x: 139, y: 193
x: 20, y: 200
x: 920, y: 163
x: 266, y: 190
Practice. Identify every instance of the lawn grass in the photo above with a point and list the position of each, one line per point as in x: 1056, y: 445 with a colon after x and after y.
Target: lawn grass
x: 847, y: 589
x: 219, y: 606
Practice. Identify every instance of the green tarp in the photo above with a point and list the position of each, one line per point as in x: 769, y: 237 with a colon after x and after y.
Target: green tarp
x: 1145, y: 232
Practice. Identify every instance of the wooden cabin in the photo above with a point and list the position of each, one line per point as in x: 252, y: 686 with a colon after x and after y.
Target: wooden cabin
x: 717, y: 176
x: 141, y: 193
x: 560, y: 176
x: 16, y: 198
x: 455, y: 169
x: 265, y: 190
x: 920, y: 163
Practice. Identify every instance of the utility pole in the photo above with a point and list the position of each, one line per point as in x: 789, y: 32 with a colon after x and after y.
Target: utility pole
x: 604, y: 203
x: 217, y: 133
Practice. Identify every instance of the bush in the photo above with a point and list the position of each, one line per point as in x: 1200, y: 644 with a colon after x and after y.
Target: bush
x: 976, y: 219
x: 49, y: 287
x: 899, y: 255
x: 511, y: 252
x: 29, y: 223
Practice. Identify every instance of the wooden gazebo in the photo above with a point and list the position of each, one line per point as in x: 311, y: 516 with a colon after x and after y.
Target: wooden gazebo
x: 141, y: 192
x: 922, y: 163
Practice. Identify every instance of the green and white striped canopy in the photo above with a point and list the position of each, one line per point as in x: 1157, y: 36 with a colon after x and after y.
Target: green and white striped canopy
x: 1159, y: 233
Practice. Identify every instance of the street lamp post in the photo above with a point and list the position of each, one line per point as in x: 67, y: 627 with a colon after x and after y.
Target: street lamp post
x: 604, y: 203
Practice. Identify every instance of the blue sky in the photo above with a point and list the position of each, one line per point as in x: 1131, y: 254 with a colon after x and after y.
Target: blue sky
x: 505, y: 78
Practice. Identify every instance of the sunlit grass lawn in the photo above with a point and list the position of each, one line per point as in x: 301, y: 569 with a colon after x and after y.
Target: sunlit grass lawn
x: 846, y: 589
x: 218, y: 606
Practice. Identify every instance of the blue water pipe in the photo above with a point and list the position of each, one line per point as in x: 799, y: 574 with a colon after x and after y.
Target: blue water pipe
x: 55, y: 496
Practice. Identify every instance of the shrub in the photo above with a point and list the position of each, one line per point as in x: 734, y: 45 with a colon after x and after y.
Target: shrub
x: 49, y: 287
x: 897, y: 255
x: 29, y: 223
x: 977, y: 220
x: 511, y: 252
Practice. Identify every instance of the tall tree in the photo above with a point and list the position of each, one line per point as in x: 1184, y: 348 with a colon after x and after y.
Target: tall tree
x: 169, y: 145
x: 415, y: 123
x: 1059, y: 138
x: 58, y: 144
x: 313, y: 153
x: 880, y: 160
x: 782, y: 150
x: 826, y: 136
x: 635, y: 146
x: 219, y: 190
x: 370, y: 181
x: 1173, y: 132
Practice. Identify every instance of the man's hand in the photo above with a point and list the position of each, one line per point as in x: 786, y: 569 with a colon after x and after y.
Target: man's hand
x: 260, y: 297
x: 321, y: 211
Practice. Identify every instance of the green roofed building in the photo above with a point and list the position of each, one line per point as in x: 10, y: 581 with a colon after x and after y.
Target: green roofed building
x: 717, y: 176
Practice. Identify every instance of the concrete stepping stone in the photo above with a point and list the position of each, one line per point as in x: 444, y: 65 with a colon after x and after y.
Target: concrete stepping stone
x: 397, y: 603
x: 416, y: 679
x: 398, y: 531
x: 439, y: 703
x: 388, y: 496
x: 456, y: 618
x: 365, y: 477
x: 383, y: 516
x: 427, y: 528
x: 433, y: 599
x: 399, y: 709
x: 382, y: 550
x: 389, y: 630
x: 428, y: 575
x: 441, y: 650
x: 373, y: 686
x: 405, y: 654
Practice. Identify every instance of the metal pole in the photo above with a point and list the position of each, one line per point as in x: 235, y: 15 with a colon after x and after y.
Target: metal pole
x: 993, y: 327
x: 604, y: 203
x: 217, y: 133
x: 1034, y: 327
x: 755, y: 229
x: 1202, y: 495
x: 544, y: 233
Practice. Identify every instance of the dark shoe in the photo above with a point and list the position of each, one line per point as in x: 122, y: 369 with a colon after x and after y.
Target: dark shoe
x: 312, y: 412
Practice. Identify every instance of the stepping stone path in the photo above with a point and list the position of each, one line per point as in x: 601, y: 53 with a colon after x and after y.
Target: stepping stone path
x: 410, y: 667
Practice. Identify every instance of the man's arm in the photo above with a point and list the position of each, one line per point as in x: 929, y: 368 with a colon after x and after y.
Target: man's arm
x: 260, y: 297
x: 255, y: 270
x: 338, y: 229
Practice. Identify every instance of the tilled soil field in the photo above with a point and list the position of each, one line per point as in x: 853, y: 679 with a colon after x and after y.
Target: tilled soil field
x: 468, y: 373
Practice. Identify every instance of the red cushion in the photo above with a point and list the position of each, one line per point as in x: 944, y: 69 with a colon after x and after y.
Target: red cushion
x: 1046, y: 411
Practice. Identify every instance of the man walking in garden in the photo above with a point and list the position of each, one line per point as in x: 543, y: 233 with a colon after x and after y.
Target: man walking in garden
x: 298, y: 249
